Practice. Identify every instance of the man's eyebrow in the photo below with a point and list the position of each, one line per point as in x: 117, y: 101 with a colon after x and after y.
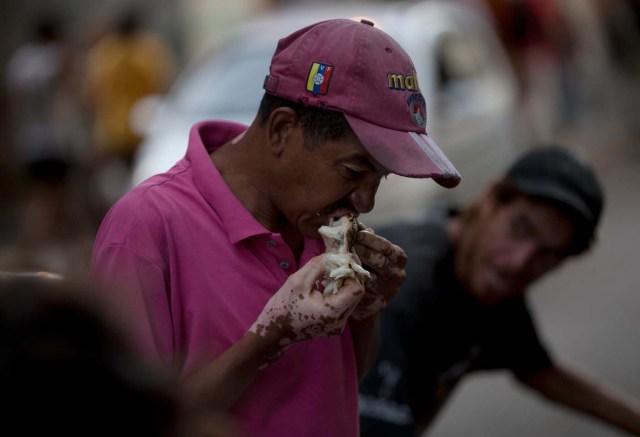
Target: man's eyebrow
x: 369, y: 163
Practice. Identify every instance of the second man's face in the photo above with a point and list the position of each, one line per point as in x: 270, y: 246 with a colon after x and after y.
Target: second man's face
x: 513, y: 246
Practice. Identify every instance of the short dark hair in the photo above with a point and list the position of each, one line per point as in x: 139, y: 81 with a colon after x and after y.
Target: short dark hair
x: 319, y: 125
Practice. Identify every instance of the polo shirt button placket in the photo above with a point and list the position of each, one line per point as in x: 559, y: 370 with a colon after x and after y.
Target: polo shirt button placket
x: 284, y: 264
x: 272, y: 243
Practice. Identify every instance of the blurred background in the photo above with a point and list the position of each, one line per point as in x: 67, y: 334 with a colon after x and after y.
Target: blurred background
x: 97, y: 96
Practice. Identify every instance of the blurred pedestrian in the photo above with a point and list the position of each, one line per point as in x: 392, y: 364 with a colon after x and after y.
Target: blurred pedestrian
x: 34, y: 80
x: 128, y: 63
x: 621, y: 22
x: 221, y: 257
x: 463, y: 307
x: 541, y: 44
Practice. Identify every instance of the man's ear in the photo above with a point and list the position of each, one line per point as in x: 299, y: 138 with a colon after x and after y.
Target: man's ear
x: 283, y: 128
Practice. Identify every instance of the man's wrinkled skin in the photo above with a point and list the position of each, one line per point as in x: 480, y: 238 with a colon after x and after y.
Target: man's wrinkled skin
x: 299, y: 311
x: 385, y: 261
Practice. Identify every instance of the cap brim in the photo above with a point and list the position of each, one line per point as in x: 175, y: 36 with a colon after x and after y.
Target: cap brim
x: 409, y: 154
x: 555, y: 193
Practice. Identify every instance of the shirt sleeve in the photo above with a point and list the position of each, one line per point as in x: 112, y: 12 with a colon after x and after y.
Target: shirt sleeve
x: 510, y: 340
x: 128, y: 267
x: 137, y: 288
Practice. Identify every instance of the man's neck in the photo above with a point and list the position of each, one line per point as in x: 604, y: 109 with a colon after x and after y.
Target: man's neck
x: 295, y: 241
x: 249, y: 188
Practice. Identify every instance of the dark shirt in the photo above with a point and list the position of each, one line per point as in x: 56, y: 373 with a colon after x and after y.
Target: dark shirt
x: 434, y: 332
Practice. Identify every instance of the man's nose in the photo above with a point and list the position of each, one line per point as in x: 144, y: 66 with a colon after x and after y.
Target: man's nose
x: 522, y: 256
x: 363, y: 198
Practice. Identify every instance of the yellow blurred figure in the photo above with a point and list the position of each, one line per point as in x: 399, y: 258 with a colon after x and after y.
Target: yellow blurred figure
x: 123, y: 67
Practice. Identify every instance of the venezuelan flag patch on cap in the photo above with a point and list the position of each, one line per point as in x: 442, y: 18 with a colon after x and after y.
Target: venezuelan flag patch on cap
x: 319, y: 77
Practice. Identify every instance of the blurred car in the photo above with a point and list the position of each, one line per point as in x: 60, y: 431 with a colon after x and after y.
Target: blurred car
x: 463, y: 72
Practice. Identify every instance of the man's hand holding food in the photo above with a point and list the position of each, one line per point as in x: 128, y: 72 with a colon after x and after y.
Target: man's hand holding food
x: 315, y: 303
x: 300, y: 311
x: 385, y: 262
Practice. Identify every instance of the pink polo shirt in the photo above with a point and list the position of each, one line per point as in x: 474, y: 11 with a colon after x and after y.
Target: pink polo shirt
x: 195, y: 270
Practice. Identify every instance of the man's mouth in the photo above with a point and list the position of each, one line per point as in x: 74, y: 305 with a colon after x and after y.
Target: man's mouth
x: 339, y: 214
x: 504, y: 282
x: 497, y: 280
x: 335, y: 212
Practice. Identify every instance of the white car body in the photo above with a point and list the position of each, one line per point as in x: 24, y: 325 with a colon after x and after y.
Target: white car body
x: 472, y: 115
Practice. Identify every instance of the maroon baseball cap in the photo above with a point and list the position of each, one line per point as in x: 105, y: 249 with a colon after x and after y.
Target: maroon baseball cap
x: 357, y: 69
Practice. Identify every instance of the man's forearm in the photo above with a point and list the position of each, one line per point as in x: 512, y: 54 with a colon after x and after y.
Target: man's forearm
x: 568, y: 387
x: 222, y: 382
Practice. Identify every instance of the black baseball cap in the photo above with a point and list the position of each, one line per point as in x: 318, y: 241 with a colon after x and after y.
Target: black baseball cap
x: 555, y: 174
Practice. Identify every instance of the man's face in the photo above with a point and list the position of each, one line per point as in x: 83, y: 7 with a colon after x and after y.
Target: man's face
x: 325, y: 181
x: 510, y: 246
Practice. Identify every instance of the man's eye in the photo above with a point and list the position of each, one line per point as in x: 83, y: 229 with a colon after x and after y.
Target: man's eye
x: 519, y: 229
x: 352, y: 172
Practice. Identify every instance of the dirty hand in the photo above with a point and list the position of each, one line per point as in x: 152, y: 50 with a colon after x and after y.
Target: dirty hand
x: 385, y: 261
x: 299, y: 311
